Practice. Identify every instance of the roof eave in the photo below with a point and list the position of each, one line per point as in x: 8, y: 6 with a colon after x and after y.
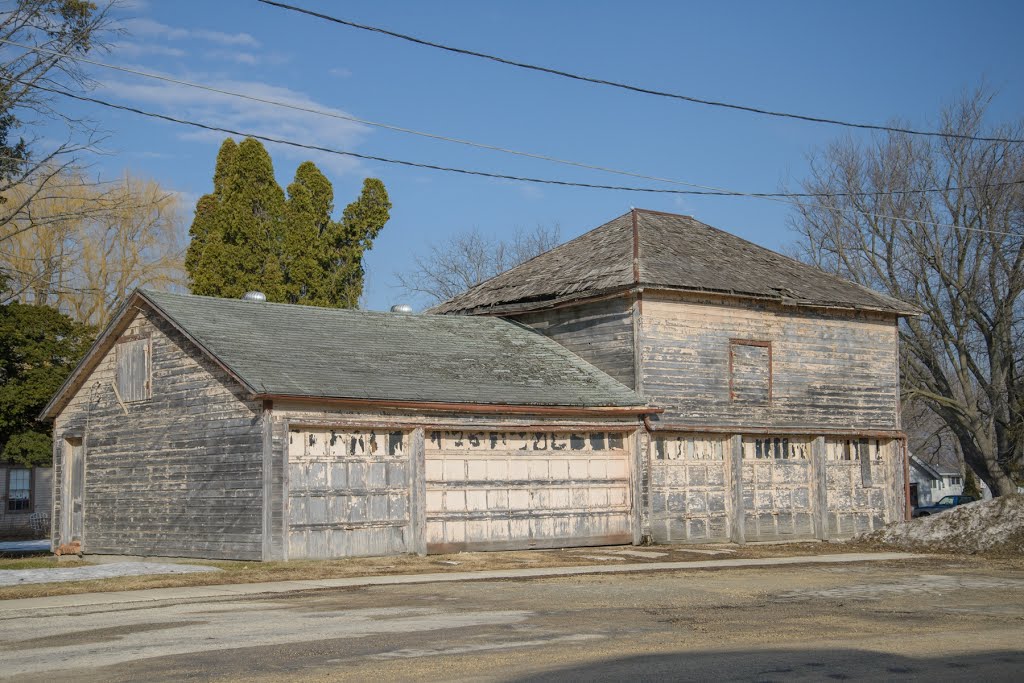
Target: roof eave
x: 455, y: 406
x: 517, y: 307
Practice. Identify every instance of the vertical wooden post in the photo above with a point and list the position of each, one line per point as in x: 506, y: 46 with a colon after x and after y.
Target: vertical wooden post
x: 268, y: 480
x: 639, y: 507
x: 819, y: 490
x: 418, y: 493
x: 734, y: 477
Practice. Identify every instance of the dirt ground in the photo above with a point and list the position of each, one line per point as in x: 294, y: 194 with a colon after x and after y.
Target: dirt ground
x: 257, y: 572
x: 928, y: 618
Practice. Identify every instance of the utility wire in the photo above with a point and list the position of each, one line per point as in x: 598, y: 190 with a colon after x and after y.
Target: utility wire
x: 710, y: 190
x: 564, y: 183
x: 634, y: 88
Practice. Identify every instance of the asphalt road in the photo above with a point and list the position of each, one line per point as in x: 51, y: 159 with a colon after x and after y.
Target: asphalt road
x: 918, y: 620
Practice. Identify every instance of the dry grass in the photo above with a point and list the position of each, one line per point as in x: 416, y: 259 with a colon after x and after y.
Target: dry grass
x: 36, y: 562
x: 258, y: 572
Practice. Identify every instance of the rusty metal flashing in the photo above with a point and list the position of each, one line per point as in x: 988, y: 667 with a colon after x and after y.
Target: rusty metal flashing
x: 485, y: 408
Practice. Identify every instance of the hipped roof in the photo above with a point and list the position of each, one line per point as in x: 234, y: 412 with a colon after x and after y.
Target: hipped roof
x: 657, y: 250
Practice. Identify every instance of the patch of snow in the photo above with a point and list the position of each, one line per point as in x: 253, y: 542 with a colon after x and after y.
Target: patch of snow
x: 984, y: 526
x: 18, y: 577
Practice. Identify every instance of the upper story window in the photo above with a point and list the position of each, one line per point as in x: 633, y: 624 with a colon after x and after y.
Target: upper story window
x: 19, y: 490
x: 750, y: 371
x: 133, y: 369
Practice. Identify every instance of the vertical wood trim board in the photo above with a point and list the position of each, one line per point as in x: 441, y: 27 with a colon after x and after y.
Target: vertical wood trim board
x: 268, y: 478
x: 734, y: 472
x: 820, y: 474
x: 418, y: 482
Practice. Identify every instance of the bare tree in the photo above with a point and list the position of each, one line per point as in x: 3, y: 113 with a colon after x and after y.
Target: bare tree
x: 83, y: 246
x: 957, y: 254
x: 467, y: 259
x: 65, y: 29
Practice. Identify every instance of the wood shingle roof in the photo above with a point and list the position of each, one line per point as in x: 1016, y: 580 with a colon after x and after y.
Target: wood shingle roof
x: 664, y: 251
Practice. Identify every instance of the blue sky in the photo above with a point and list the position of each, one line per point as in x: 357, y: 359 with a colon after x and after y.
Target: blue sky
x: 864, y: 61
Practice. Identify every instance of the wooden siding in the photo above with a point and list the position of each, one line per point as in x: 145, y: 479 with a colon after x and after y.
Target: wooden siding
x: 600, y: 333
x: 827, y: 372
x: 179, y: 474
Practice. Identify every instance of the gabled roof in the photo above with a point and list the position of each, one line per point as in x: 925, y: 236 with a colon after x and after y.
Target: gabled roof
x: 664, y: 251
x: 920, y: 464
x: 282, y: 350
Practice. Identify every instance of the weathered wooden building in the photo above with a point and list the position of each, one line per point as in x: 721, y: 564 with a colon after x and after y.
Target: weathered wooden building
x: 779, y: 383
x: 654, y: 377
x: 202, y: 427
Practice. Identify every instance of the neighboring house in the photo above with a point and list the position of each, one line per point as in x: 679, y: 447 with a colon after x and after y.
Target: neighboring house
x: 687, y: 386
x: 26, y: 495
x: 930, y: 482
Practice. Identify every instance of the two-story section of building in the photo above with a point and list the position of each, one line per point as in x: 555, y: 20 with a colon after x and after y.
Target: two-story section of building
x: 778, y: 383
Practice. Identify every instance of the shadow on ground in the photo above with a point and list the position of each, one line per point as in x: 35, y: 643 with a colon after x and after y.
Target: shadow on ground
x: 792, y: 665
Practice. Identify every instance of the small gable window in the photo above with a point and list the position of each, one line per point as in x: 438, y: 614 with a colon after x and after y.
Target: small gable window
x: 750, y: 371
x: 133, y: 370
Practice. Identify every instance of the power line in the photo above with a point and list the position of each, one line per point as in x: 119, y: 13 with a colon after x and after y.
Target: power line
x: 709, y: 190
x: 634, y: 88
x: 485, y: 174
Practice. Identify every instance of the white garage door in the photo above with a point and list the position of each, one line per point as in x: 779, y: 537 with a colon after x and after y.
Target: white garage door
x: 514, y: 490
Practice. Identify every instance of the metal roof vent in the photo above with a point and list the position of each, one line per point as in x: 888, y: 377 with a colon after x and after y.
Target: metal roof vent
x: 254, y: 296
x: 401, y: 308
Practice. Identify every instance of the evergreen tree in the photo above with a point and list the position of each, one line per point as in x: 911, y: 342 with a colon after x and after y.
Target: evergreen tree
x: 310, y: 204
x: 247, y: 236
x: 971, y: 486
x: 352, y: 237
x: 39, y: 347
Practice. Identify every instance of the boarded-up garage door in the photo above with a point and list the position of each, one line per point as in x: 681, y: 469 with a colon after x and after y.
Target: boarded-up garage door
x: 348, y: 493
x: 777, y: 488
x: 688, y: 489
x: 502, y: 490
x: 856, y: 481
